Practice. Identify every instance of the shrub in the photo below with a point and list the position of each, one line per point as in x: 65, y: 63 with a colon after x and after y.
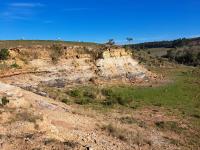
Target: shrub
x: 4, y: 101
x: 89, y: 94
x: 109, y: 102
x: 4, y: 54
x: 113, y: 97
x: 56, y: 52
x: 83, y: 101
x: 15, y: 65
x: 169, y: 125
x: 115, y: 132
x: 107, y: 92
x: 75, y: 93
x: 82, y: 96
x: 66, y: 101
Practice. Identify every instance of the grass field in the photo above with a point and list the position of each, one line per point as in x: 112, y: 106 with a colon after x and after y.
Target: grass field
x: 182, y: 95
x: 179, y: 98
x: 158, y: 51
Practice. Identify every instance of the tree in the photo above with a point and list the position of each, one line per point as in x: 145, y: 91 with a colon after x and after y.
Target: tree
x: 111, y: 42
x: 129, y: 39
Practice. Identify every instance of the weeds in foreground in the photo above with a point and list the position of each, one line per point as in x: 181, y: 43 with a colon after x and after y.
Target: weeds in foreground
x: 131, y: 120
x: 126, y: 136
x: 169, y: 126
x: 115, y: 132
x: 27, y: 117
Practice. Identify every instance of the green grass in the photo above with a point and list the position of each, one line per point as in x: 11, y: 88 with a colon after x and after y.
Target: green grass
x: 15, y: 65
x: 181, y: 97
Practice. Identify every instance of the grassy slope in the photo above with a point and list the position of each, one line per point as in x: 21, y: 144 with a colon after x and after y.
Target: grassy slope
x: 182, y: 96
x: 158, y: 51
x: 26, y: 43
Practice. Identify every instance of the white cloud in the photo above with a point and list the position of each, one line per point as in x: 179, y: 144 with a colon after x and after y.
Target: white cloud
x: 20, y: 11
x: 30, y: 5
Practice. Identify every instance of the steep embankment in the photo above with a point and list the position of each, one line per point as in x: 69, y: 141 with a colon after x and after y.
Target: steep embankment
x: 34, y: 121
x: 31, y: 121
x: 75, y: 65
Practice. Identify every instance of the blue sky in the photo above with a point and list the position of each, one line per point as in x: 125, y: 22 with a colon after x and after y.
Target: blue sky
x: 99, y: 20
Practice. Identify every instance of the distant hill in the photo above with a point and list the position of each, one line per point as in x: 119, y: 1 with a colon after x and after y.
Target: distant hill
x: 168, y: 44
x: 183, y: 51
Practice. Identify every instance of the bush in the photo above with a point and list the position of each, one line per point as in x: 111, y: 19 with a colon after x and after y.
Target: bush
x: 82, y: 96
x: 89, y: 94
x: 109, y: 102
x: 115, y: 132
x: 15, y: 65
x: 107, y: 92
x: 4, y: 101
x: 75, y: 93
x: 83, y: 101
x: 4, y: 54
x: 56, y: 52
x: 66, y: 101
x: 187, y: 56
x: 169, y: 125
x: 113, y: 97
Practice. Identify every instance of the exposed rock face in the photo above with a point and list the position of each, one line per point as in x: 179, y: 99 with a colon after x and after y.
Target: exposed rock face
x: 119, y: 63
x: 115, y: 52
x: 77, y: 65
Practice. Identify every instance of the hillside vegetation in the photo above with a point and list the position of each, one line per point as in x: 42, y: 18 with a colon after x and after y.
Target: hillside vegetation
x: 183, y: 51
x: 77, y: 97
x: 30, y: 43
x: 168, y: 44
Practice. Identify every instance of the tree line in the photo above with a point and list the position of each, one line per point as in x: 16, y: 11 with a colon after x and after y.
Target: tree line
x: 166, y: 44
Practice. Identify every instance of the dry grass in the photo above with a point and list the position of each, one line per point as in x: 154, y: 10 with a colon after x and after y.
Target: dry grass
x: 26, y: 43
x: 26, y: 116
x: 127, y: 136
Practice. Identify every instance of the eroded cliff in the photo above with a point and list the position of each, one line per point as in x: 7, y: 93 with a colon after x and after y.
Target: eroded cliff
x: 74, y: 65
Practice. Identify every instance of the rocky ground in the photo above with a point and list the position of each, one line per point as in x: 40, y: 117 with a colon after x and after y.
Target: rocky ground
x: 32, y: 120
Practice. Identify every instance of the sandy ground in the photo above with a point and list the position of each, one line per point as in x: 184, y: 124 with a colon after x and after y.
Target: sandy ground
x: 30, y: 121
